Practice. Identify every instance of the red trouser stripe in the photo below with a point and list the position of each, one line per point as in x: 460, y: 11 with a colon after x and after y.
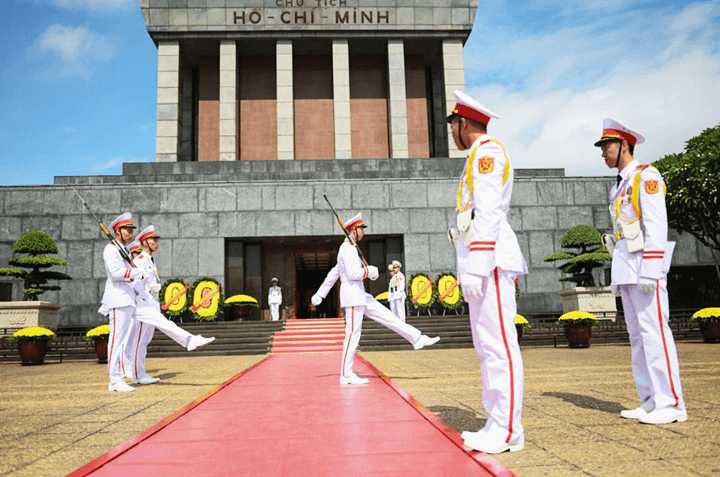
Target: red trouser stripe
x: 352, y: 322
x: 662, y: 333
x: 507, y: 349
x: 136, y: 351
x: 112, y: 343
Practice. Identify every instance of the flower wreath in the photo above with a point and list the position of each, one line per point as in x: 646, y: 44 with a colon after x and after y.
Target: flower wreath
x: 418, y: 282
x: 170, y: 289
x: 450, y: 299
x: 204, y: 286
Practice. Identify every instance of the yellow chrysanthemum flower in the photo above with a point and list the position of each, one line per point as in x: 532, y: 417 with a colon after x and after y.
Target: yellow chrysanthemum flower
x: 241, y: 299
x: 102, y: 331
x: 520, y: 320
x: 706, y: 313
x: 33, y: 332
x: 382, y: 296
x: 573, y: 317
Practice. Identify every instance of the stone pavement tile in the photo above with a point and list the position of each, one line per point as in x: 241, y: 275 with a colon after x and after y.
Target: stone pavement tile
x: 561, y: 435
x: 668, y: 448
x: 708, y: 431
x: 13, y: 460
x: 60, y: 463
x: 709, y: 466
x: 709, y: 413
x: 636, y: 431
x: 558, y: 470
x: 601, y: 452
x: 108, y: 440
x: 639, y: 468
x: 531, y: 456
x: 73, y: 428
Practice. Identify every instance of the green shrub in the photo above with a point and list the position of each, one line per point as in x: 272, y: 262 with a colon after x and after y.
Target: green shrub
x: 580, y: 264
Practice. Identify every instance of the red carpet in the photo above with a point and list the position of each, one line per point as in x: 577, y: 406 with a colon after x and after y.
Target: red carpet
x: 289, y: 416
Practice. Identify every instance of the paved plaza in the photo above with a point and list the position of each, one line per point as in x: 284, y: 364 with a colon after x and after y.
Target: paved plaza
x: 59, y: 416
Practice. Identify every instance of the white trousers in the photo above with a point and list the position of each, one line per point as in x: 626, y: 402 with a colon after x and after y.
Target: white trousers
x: 136, y: 349
x: 492, y: 319
x: 353, y: 328
x: 121, y: 320
x: 398, y: 308
x: 275, y: 311
x: 654, y: 356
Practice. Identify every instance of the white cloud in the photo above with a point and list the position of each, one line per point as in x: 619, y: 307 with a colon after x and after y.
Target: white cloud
x: 115, y: 162
x: 73, y: 52
x: 659, y: 75
x: 96, y: 5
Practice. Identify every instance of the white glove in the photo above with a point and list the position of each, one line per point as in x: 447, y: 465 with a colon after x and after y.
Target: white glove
x: 453, y: 235
x: 155, y: 290
x: 316, y: 299
x: 373, y: 272
x: 647, y: 285
x: 103, y: 310
x: 473, y: 286
x: 609, y: 243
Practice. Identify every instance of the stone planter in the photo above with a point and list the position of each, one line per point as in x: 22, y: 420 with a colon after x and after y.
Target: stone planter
x: 240, y: 313
x: 101, y: 349
x: 32, y: 352
x: 599, y: 301
x: 710, y: 331
x: 24, y: 314
x: 578, y: 336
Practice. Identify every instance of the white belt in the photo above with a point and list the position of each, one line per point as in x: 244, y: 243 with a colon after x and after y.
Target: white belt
x: 345, y: 280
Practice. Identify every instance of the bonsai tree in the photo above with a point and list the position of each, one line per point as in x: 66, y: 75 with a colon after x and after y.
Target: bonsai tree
x: 36, y: 244
x: 589, y: 255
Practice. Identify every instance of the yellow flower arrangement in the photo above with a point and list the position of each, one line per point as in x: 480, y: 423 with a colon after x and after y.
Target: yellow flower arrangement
x: 99, y: 332
x: 207, y: 298
x: 242, y: 300
x: 706, y: 314
x: 382, y: 297
x: 522, y: 322
x: 32, y: 334
x: 578, y: 318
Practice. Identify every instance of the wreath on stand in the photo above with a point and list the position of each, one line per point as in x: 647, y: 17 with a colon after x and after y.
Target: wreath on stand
x: 207, y: 298
x: 449, y: 292
x: 173, y: 297
x: 422, y: 292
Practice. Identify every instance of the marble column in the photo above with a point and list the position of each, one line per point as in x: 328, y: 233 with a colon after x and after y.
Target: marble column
x: 167, y: 139
x: 398, y: 101
x: 228, y: 101
x: 454, y: 73
x: 341, y: 99
x: 285, y: 101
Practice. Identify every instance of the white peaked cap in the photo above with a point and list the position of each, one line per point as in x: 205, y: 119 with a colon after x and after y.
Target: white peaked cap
x: 147, y: 233
x: 134, y: 245
x: 355, y: 222
x: 391, y: 266
x: 470, y: 108
x: 274, y: 279
x: 397, y: 264
x: 125, y: 220
x: 614, y: 129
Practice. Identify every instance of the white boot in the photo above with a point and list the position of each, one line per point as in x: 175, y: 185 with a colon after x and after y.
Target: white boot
x: 146, y: 380
x: 121, y: 387
x: 354, y: 379
x: 425, y: 340
x: 197, y: 341
x: 638, y: 412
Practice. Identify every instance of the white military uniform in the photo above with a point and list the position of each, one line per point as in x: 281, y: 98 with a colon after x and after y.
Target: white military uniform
x: 397, y: 304
x: 351, y: 272
x: 141, y: 333
x: 654, y: 357
x: 274, y: 300
x: 119, y: 299
x: 493, y: 252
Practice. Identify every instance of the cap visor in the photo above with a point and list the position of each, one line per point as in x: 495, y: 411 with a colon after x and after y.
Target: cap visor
x: 449, y: 118
x: 601, y: 141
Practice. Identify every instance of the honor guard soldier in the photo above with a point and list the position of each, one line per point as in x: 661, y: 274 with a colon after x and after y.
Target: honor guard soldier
x: 641, y: 256
x: 400, y: 295
x: 351, y: 271
x: 391, y: 287
x: 489, y: 259
x: 275, y: 299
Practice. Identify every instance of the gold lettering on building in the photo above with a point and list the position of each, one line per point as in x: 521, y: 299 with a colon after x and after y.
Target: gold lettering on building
x: 313, y: 15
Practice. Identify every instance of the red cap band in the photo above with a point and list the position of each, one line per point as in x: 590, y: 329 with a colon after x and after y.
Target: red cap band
x: 470, y: 113
x: 617, y: 134
x: 122, y: 223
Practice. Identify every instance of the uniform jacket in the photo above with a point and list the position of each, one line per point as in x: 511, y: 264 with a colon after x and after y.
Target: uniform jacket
x: 120, y: 287
x: 494, y: 244
x: 352, y: 272
x: 145, y: 262
x: 274, y: 295
x: 398, y: 284
x: 654, y: 260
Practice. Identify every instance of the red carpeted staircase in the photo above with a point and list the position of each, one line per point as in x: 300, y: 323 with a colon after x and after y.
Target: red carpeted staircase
x: 310, y: 336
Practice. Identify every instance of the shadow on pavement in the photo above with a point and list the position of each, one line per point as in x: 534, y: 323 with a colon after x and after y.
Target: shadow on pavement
x: 588, y: 402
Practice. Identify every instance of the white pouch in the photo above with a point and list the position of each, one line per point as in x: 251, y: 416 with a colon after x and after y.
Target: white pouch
x: 633, y: 236
x: 464, y: 223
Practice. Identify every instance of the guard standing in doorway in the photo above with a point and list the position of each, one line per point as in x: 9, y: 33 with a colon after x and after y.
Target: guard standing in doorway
x: 640, y: 261
x: 489, y: 259
x: 275, y: 299
x: 400, y: 294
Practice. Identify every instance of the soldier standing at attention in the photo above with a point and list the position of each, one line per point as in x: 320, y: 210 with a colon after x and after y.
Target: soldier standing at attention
x: 489, y: 260
x: 391, y: 289
x: 351, y: 271
x: 275, y: 299
x: 400, y: 294
x: 640, y: 262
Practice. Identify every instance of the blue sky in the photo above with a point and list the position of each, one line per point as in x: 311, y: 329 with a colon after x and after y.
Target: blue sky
x: 78, y: 81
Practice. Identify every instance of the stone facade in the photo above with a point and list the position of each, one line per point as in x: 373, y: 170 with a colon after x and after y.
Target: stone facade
x: 196, y: 206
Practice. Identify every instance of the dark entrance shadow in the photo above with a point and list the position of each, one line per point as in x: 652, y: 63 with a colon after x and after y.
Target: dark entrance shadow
x: 588, y: 402
x: 459, y: 419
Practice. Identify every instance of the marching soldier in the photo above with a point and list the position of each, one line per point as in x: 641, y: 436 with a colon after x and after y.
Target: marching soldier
x: 640, y: 262
x: 489, y: 259
x: 351, y: 271
x: 275, y: 299
x: 400, y: 294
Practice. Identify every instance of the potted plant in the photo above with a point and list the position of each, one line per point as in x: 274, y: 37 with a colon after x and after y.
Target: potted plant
x: 37, y: 244
x: 32, y: 344
x: 521, y: 323
x: 382, y: 298
x: 241, y: 306
x: 578, y: 328
x: 586, y: 255
x: 709, y: 320
x: 100, y: 335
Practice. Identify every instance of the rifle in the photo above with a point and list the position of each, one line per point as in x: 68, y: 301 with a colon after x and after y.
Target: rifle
x: 120, y: 248
x: 347, y: 234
